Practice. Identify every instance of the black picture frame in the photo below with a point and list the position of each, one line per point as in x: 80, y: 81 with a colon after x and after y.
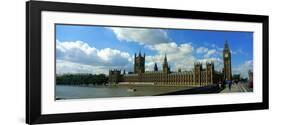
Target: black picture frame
x: 33, y: 61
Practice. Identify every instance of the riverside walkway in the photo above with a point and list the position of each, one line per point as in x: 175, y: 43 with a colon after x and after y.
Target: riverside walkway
x: 239, y: 87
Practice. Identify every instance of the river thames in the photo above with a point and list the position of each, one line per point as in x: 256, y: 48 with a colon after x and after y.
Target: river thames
x: 82, y: 92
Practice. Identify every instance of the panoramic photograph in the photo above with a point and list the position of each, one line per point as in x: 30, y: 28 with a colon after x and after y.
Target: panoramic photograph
x: 112, y: 61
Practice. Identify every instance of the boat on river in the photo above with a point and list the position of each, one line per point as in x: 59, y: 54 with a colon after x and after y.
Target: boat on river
x: 131, y: 90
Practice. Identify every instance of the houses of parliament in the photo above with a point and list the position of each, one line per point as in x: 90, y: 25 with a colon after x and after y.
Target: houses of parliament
x: 199, y: 76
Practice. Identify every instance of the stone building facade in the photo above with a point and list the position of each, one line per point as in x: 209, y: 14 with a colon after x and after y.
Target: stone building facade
x: 199, y: 76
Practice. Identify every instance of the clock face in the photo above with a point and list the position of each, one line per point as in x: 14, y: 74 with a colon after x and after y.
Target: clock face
x: 226, y: 55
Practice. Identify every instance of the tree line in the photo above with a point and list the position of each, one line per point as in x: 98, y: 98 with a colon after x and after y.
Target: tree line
x: 81, y: 79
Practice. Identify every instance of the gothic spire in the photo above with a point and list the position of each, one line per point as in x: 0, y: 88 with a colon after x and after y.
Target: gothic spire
x: 226, y: 45
x: 140, y: 53
x: 155, y: 67
x: 166, y: 68
x: 165, y: 59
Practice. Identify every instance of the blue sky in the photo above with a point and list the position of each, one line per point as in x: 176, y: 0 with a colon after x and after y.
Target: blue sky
x: 78, y: 44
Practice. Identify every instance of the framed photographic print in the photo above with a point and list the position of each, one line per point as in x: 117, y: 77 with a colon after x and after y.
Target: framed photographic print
x: 95, y: 62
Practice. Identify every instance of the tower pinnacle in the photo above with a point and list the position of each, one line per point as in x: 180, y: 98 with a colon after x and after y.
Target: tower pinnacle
x: 226, y: 45
x: 165, y: 58
x: 155, y: 67
x: 166, y: 68
x: 140, y: 53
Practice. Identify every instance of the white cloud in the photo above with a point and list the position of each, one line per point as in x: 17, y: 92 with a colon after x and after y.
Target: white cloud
x: 239, y: 51
x: 216, y: 47
x: 210, y: 53
x: 178, y: 56
x: 79, y: 57
x: 172, y: 47
x: 244, y: 68
x: 82, y: 57
x: 63, y: 67
x: 141, y: 35
x: 207, y: 52
x: 201, y: 50
x: 233, y: 52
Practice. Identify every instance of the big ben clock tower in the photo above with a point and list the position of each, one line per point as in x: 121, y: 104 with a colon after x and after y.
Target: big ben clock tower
x: 227, y: 62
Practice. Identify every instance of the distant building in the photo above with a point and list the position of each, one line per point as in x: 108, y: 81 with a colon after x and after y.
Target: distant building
x: 197, y: 77
x: 250, y: 79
